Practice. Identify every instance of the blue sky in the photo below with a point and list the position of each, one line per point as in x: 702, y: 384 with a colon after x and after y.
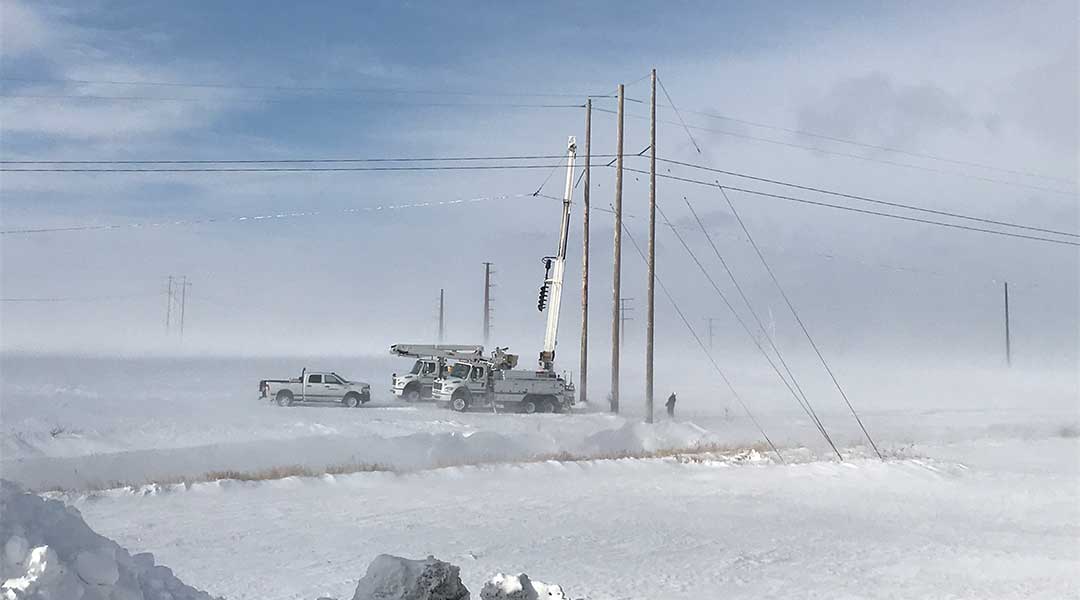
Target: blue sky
x: 987, y: 83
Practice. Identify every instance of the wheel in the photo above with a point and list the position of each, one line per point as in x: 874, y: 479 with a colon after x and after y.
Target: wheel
x: 351, y: 400
x: 284, y: 398
x: 411, y: 395
x: 460, y: 403
x: 529, y: 406
x: 547, y: 406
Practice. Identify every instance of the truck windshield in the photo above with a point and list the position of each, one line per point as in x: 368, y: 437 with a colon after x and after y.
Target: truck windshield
x: 460, y: 370
x: 416, y: 368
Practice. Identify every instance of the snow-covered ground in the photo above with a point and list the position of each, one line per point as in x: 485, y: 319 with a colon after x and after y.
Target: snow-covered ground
x: 980, y: 498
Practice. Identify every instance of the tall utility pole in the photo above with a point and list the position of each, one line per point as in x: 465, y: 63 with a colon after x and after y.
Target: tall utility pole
x: 618, y: 258
x: 1008, y: 341
x: 168, y: 307
x: 650, y: 308
x: 183, y: 303
x: 624, y: 308
x: 487, y: 303
x: 583, y: 362
x: 442, y: 314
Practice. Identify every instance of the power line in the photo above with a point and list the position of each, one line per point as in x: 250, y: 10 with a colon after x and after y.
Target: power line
x: 279, y: 100
x: 850, y: 155
x: 859, y: 210
x: 290, y: 160
x: 803, y: 402
x: 267, y: 169
x: 262, y: 217
x: 892, y: 149
x: 55, y: 299
x: 688, y: 134
x: 719, y: 371
x: 799, y: 320
x: 866, y: 199
x: 288, y: 88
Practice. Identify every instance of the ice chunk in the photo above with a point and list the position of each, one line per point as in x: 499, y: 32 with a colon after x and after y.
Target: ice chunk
x: 519, y: 587
x: 395, y: 578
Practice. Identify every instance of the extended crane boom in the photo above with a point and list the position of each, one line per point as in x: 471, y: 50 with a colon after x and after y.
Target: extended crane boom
x: 556, y: 267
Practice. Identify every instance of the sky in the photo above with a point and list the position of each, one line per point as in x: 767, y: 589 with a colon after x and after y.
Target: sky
x: 980, y: 97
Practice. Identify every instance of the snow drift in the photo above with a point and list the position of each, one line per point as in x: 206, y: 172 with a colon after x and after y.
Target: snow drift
x: 50, y: 553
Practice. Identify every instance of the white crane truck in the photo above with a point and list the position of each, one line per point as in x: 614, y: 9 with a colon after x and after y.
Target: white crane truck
x: 431, y: 363
x: 494, y: 382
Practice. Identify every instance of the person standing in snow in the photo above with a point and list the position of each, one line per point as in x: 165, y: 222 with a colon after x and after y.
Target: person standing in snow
x: 671, y: 405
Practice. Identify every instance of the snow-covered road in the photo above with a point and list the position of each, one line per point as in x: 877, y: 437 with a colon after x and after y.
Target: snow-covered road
x: 913, y: 528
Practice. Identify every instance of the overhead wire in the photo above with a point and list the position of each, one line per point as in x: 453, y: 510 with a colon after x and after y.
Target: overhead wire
x: 819, y: 190
x: 255, y: 218
x: 290, y: 160
x: 287, y: 88
x: 883, y: 148
x: 697, y: 338
x: 858, y: 210
x: 803, y: 402
x: 262, y: 169
x: 850, y: 155
x: 349, y: 100
x: 802, y: 325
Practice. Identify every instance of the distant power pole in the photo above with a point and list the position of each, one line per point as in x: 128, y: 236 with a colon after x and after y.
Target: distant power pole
x: 624, y: 308
x: 615, y: 286
x: 650, y: 311
x: 1008, y: 341
x: 168, y: 306
x: 710, y: 321
x: 487, y: 303
x: 583, y: 363
x: 183, y: 303
x: 442, y: 313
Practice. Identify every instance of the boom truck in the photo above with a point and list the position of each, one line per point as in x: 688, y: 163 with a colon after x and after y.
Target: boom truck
x: 494, y: 381
x: 431, y: 362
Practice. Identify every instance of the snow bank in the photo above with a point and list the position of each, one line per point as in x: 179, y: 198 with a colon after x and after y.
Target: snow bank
x: 640, y: 437
x: 519, y: 587
x: 395, y: 578
x: 50, y: 553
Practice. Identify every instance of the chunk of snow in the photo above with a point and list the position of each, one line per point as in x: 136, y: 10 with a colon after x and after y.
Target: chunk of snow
x: 395, y: 578
x: 50, y: 553
x: 519, y: 587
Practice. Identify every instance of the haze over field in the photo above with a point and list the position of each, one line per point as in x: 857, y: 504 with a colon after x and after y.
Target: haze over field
x: 199, y: 201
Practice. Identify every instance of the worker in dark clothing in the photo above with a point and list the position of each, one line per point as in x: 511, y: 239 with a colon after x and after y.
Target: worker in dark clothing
x: 671, y: 405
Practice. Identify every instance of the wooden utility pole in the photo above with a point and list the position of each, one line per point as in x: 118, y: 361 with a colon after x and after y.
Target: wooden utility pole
x: 487, y: 303
x: 650, y: 292
x: 615, y: 308
x: 1008, y: 341
x: 442, y: 313
x: 168, y: 307
x: 583, y: 362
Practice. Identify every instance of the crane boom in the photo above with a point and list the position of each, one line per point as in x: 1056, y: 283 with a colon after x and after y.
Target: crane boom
x: 554, y: 277
x: 437, y: 351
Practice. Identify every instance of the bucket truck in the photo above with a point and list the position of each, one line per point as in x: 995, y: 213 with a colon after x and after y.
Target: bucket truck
x: 431, y: 362
x: 494, y: 382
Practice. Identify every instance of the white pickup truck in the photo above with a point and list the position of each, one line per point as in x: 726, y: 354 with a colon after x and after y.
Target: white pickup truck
x: 316, y: 387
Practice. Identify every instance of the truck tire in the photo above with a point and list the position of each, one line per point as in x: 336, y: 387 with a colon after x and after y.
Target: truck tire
x: 460, y: 402
x: 284, y: 398
x: 530, y: 405
x: 547, y: 406
x: 351, y: 400
x: 411, y: 394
